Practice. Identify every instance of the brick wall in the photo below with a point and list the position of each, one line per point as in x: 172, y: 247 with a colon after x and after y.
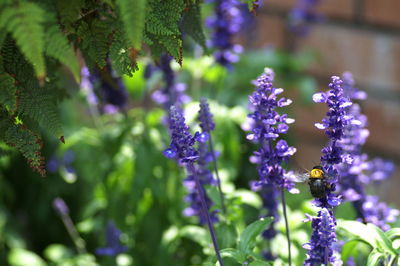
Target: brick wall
x: 360, y: 36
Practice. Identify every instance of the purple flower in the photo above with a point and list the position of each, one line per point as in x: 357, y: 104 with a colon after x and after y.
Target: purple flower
x: 320, y: 248
x: 266, y: 126
x: 302, y: 15
x: 54, y: 164
x: 358, y: 172
x: 334, y: 124
x: 181, y: 148
x: 60, y: 206
x: 112, y: 91
x: 113, y: 246
x: 225, y: 23
x: 205, y: 117
x: 172, y: 93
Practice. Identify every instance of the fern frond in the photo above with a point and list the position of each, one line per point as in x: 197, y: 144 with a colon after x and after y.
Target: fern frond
x: 69, y: 11
x: 25, y: 23
x: 57, y: 46
x: 119, y: 55
x: 39, y: 105
x: 95, y: 42
x: 7, y: 92
x: 192, y: 23
x: 133, y: 15
x: 28, y: 144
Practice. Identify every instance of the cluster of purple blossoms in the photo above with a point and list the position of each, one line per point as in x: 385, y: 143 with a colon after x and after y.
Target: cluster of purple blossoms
x: 359, y: 172
x: 183, y: 151
x: 302, y: 15
x: 55, y: 163
x: 321, y: 246
x: 225, y: 23
x: 113, y: 246
x: 111, y: 89
x: 266, y: 126
x: 320, y: 250
x: 172, y: 93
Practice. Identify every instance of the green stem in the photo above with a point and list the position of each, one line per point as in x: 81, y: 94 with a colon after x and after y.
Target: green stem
x: 221, y: 194
x: 287, y: 226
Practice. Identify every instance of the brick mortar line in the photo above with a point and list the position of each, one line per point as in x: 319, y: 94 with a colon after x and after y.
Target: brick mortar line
x: 353, y: 24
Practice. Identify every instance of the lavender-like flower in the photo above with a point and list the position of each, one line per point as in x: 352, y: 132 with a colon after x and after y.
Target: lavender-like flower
x: 320, y: 250
x: 182, y: 150
x: 54, y: 164
x: 172, y: 93
x: 334, y: 124
x: 113, y: 246
x: 266, y: 126
x: 63, y: 211
x: 225, y: 23
x: 112, y: 91
x: 302, y: 15
x: 207, y: 125
x: 358, y: 172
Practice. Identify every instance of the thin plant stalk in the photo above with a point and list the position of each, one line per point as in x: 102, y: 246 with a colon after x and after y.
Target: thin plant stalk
x: 287, y: 226
x: 73, y: 233
x: 204, y: 209
x: 221, y: 194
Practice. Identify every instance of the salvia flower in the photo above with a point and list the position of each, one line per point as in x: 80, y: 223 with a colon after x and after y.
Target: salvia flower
x: 302, y: 15
x: 207, y: 125
x: 182, y: 150
x: 320, y: 248
x: 55, y: 163
x: 60, y: 206
x: 225, y: 23
x: 113, y: 245
x: 359, y: 172
x: 112, y: 92
x: 172, y: 93
x: 266, y: 126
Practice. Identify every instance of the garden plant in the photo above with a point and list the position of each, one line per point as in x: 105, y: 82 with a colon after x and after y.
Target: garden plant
x: 144, y: 132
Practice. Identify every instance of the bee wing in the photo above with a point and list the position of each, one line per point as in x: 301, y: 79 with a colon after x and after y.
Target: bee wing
x: 300, y: 177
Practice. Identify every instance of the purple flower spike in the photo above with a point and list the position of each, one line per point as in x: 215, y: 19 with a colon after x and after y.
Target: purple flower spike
x: 225, y: 23
x: 302, y: 15
x: 360, y: 171
x: 113, y: 246
x: 172, y: 93
x: 320, y: 249
x: 266, y: 125
x: 181, y: 147
x: 60, y: 206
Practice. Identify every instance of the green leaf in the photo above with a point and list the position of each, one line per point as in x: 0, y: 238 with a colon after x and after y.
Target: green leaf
x: 25, y: 23
x: 348, y: 248
x: 236, y: 254
x: 192, y: 23
x: 383, y: 241
x: 259, y: 263
x: 133, y: 15
x: 227, y: 235
x: 250, y: 233
x: 119, y: 55
x: 196, y: 233
x: 361, y: 231
x: 374, y: 258
x: 393, y: 233
x: 58, y: 47
x: 22, y: 257
x: 57, y: 252
x: 7, y: 92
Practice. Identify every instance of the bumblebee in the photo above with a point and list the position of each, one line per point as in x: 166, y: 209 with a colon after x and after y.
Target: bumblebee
x: 317, y: 180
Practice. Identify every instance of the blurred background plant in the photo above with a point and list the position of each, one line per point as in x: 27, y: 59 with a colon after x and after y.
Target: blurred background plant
x: 123, y: 198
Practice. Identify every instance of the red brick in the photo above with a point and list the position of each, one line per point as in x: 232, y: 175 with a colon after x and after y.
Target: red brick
x: 331, y: 8
x: 384, y: 12
x: 383, y: 124
x: 270, y: 31
x: 373, y: 58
